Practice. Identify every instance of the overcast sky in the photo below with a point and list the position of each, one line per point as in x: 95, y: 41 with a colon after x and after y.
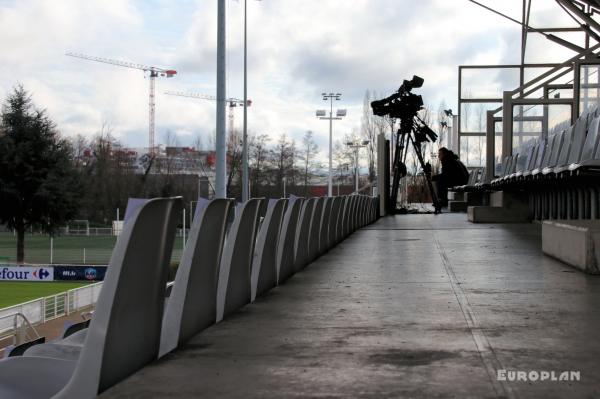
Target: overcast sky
x: 297, y: 49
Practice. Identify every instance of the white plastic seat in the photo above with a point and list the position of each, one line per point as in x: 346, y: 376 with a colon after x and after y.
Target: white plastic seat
x: 264, y: 262
x: 125, y: 331
x: 233, y: 288
x: 302, y: 240
x: 285, y: 246
x: 192, y: 304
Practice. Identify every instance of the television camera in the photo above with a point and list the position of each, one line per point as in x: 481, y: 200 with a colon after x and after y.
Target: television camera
x: 405, y: 106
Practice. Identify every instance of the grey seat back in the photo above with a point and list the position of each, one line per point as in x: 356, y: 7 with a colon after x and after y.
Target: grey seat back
x: 355, y: 204
x: 579, y: 134
x: 551, y: 146
x: 342, y: 220
x: 20, y: 349
x: 504, y: 165
x: 524, y: 161
x: 264, y: 262
x: 75, y: 327
x: 356, y: 214
x: 591, y: 140
x: 512, y: 164
x: 483, y: 176
x: 347, y: 215
x: 285, y: 246
x: 539, y: 156
x: 124, y: 334
x: 301, y: 242
x: 233, y: 287
x: 324, y: 235
x: 192, y: 304
x: 333, y: 219
x: 473, y: 177
x: 362, y: 210
x: 559, y: 157
x: 315, y: 228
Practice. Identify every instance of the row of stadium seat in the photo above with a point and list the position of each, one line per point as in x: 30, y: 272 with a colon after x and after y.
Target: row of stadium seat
x: 559, y: 174
x: 231, y: 257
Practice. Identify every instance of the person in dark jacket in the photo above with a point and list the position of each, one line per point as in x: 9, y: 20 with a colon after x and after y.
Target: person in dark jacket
x: 454, y: 173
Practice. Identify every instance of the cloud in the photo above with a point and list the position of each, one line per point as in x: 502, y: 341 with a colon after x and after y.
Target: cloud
x: 297, y: 49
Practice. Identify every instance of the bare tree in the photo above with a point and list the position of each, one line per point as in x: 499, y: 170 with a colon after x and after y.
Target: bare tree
x: 257, y: 158
x: 79, y: 145
x: 310, y: 149
x: 234, y: 158
x: 281, y: 160
x: 481, y: 128
x: 465, y: 120
x: 343, y: 157
x: 370, y: 127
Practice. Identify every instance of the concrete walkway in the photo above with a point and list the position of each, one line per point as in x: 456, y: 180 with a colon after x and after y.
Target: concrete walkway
x: 412, y: 306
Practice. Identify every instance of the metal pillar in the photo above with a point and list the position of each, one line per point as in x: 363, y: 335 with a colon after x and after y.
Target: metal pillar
x: 490, y: 136
x: 245, y: 187
x: 220, y: 151
x: 507, y: 121
x: 330, y: 175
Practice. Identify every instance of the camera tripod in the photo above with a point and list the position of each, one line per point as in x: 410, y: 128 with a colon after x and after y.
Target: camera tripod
x: 411, y: 133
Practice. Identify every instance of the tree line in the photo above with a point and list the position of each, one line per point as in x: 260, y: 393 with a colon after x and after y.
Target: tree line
x: 47, y: 180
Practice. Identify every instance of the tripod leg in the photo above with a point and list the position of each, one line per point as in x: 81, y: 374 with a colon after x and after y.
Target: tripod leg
x: 397, y: 171
x: 436, y: 204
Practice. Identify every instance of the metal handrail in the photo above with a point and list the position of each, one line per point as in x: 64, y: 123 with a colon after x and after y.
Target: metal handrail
x: 20, y: 334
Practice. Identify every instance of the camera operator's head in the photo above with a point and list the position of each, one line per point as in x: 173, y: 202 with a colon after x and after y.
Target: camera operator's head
x: 445, y: 154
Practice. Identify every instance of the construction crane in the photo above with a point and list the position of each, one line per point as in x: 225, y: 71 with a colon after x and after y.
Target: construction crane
x: 233, y: 102
x: 153, y: 73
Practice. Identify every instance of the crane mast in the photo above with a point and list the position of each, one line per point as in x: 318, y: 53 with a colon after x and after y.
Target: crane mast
x: 153, y: 73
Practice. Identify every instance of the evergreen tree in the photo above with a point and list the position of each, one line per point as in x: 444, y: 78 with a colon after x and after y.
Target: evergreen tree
x: 39, y: 186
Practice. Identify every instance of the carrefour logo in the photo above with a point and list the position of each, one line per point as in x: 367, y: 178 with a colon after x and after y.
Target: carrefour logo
x: 41, y: 273
x: 26, y: 273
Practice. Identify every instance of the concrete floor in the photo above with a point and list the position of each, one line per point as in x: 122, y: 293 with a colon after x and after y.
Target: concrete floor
x: 411, y: 306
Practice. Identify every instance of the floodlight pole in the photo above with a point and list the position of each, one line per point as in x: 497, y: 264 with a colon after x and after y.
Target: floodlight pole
x: 330, y: 97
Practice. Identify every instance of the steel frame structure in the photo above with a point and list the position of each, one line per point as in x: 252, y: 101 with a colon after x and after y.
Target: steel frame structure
x: 527, y: 93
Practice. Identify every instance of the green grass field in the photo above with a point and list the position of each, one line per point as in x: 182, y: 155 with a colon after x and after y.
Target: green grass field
x: 15, y: 292
x: 67, y: 249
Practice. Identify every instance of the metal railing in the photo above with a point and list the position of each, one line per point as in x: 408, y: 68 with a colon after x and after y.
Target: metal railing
x: 44, y: 309
x: 21, y: 329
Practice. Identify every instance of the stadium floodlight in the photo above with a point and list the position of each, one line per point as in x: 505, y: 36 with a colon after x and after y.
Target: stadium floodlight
x: 322, y: 114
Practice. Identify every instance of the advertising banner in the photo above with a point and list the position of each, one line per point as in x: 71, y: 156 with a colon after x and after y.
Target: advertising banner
x: 26, y: 273
x: 79, y: 273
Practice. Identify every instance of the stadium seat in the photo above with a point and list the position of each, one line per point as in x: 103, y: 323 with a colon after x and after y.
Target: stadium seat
x: 324, y: 233
x: 18, y: 350
x: 302, y: 239
x: 127, y: 317
x: 343, y: 221
x: 315, y: 229
x: 287, y: 238
x: 233, y: 288
x: 75, y: 327
x: 264, y: 262
x: 335, y: 213
x: 192, y: 304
